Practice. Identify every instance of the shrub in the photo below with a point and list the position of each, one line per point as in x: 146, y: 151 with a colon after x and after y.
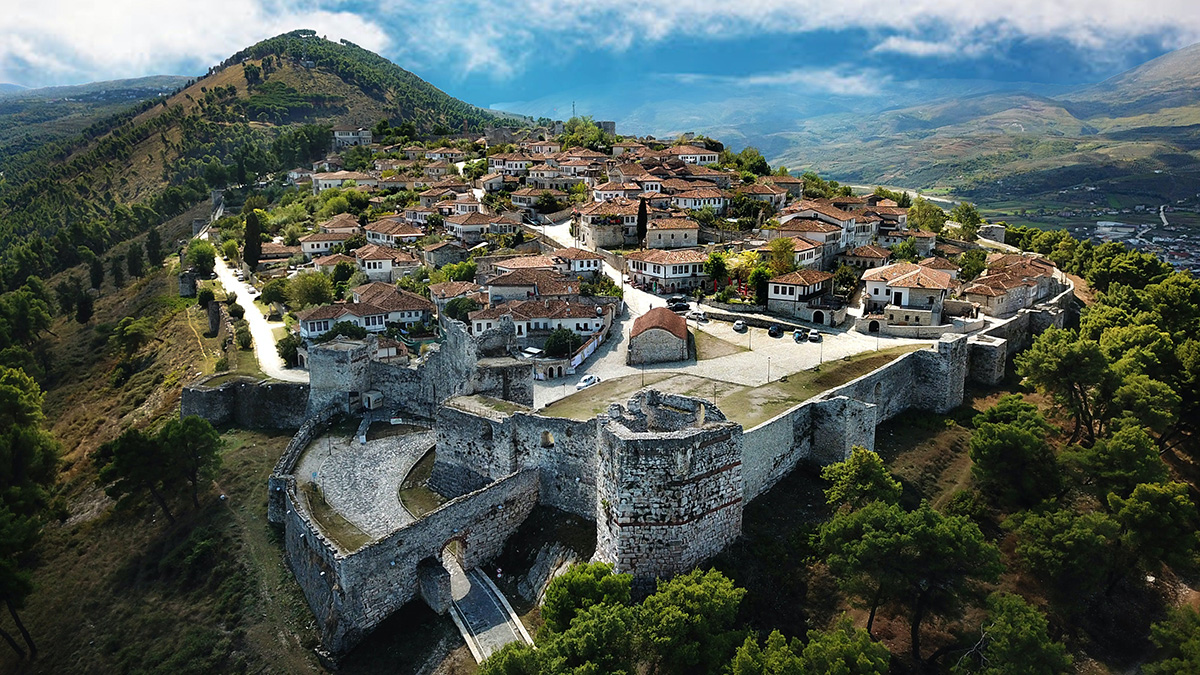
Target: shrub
x: 237, y: 311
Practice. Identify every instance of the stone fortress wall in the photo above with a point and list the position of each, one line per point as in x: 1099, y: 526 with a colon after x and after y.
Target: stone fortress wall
x: 665, y: 477
x: 247, y: 403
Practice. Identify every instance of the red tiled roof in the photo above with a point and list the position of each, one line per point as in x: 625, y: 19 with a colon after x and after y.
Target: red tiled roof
x: 803, y: 277
x: 660, y: 317
x: 934, y: 262
x: 387, y: 296
x: 575, y: 254
x: 673, y: 224
x: 326, y: 236
x: 395, y: 228
x: 453, y: 289
x: 870, y: 252
x: 526, y: 262
x: 657, y: 256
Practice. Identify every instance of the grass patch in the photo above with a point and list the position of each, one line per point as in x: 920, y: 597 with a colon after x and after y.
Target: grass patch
x: 712, y: 347
x: 345, y: 533
x: 748, y: 406
x: 121, y: 591
x: 247, y: 364
x: 415, y: 495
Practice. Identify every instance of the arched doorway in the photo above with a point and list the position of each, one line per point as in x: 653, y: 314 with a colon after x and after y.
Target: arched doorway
x: 560, y: 371
x: 873, y: 327
x: 819, y: 317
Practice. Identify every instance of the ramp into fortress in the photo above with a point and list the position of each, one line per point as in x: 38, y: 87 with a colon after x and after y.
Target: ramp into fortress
x: 482, y: 613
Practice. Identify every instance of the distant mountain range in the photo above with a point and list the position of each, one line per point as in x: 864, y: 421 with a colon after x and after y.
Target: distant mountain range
x: 1136, y: 133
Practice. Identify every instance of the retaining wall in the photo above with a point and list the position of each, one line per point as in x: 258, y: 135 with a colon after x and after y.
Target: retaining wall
x: 248, y: 403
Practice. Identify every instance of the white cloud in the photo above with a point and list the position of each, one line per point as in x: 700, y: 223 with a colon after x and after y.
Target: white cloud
x: 486, y: 36
x: 72, y: 40
x: 68, y: 41
x: 841, y: 80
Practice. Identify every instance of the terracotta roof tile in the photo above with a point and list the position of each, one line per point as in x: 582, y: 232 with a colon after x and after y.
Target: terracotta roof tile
x: 660, y: 317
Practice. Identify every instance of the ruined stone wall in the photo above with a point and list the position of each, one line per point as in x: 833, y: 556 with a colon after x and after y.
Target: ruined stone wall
x: 564, y: 453
x: 987, y: 357
x: 247, y: 403
x: 359, y: 590
x: 474, y: 448
x: 669, y: 499
x: 335, y: 369
x: 507, y: 379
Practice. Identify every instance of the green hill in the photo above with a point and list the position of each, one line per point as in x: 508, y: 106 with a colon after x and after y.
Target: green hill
x: 264, y: 109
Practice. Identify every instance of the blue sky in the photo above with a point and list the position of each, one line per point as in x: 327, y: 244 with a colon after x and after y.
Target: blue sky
x: 521, y: 50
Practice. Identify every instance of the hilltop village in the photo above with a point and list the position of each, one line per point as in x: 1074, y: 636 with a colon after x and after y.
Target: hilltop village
x: 516, y: 321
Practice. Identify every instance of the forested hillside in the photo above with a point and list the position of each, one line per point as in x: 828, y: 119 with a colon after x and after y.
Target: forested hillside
x: 265, y: 109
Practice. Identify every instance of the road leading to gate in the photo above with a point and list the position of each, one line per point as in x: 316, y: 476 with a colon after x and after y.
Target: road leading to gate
x: 482, y: 614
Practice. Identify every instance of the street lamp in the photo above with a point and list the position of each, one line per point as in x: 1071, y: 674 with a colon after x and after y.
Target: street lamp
x: 768, y: 370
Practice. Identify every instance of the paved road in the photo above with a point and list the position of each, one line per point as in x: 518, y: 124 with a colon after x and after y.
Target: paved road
x: 763, y: 357
x: 262, y: 330
x: 485, y: 620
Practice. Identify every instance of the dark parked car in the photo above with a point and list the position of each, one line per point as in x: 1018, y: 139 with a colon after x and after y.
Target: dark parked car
x: 675, y: 299
x: 775, y: 330
x: 680, y: 307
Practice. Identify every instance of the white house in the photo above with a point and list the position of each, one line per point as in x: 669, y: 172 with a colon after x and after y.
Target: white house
x: 907, y: 294
x: 765, y: 192
x: 698, y: 199
x: 319, y: 243
x: 611, y: 190
x: 445, y: 155
x: 382, y: 263
x: 806, y: 253
x: 667, y: 271
x: 576, y: 262
x: 344, y: 137
x: 540, y: 317
x: 403, y: 307
x: 691, y: 154
x: 672, y: 233
x: 802, y: 294
x: 391, y: 231
x: 343, y: 223
x: 325, y: 181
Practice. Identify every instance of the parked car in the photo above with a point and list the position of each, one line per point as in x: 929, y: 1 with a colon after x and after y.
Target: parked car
x: 680, y: 307
x: 698, y: 315
x: 739, y: 325
x: 814, y: 336
x: 587, y: 381
x: 674, y: 299
x: 799, y: 335
x: 775, y: 330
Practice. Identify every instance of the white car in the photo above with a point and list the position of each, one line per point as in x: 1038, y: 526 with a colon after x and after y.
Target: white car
x: 739, y: 325
x: 587, y: 381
